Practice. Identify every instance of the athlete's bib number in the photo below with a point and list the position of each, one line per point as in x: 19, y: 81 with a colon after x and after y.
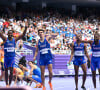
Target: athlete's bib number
x: 10, y: 49
x: 79, y: 53
x: 96, y: 54
x: 44, y: 51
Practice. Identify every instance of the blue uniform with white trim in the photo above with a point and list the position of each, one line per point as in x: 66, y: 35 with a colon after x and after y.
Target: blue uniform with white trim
x: 45, y: 53
x: 95, y: 60
x: 9, y: 53
x: 79, y: 54
x: 37, y: 75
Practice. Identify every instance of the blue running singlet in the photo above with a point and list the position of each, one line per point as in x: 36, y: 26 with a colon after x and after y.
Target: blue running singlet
x: 79, y: 54
x: 45, y: 53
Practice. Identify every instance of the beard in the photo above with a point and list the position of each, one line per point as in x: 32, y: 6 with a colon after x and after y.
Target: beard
x: 10, y: 36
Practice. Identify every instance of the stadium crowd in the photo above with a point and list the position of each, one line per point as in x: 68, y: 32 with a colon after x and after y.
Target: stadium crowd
x: 55, y: 24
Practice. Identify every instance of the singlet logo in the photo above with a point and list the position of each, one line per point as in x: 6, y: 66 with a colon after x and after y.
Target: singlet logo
x: 96, y: 48
x: 43, y: 46
x: 78, y: 47
x: 10, y: 44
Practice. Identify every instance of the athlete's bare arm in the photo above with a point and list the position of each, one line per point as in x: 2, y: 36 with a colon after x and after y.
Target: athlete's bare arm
x: 31, y: 71
x: 3, y: 37
x: 82, y: 41
x: 50, y: 37
x: 36, y: 51
x: 86, y: 53
x: 72, y: 53
x: 22, y: 35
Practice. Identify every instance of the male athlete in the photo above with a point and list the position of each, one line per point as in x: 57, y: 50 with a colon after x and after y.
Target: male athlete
x: 45, y: 57
x: 95, y: 60
x: 78, y: 51
x: 9, y: 53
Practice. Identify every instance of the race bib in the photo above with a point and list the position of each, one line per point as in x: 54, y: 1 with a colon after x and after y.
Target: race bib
x: 96, y: 54
x: 44, y: 51
x: 79, y: 53
x: 10, y: 49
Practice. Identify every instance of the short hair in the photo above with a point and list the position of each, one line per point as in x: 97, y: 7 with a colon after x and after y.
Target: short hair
x: 10, y: 31
x: 40, y: 30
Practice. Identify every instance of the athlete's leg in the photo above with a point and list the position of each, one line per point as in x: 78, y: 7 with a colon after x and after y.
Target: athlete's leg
x: 99, y: 75
x: 94, y: 78
x: 2, y: 71
x: 84, y: 68
x: 11, y: 75
x: 50, y: 75
x: 36, y: 79
x: 42, y: 75
x: 50, y: 72
x: 76, y: 68
x: 99, y: 68
x: 93, y: 68
x: 3, y: 75
x: 6, y: 71
x: 30, y: 78
x: 6, y: 76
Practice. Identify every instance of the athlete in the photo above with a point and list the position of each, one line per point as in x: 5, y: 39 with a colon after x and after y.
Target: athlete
x: 45, y: 57
x: 95, y: 60
x: 2, y: 61
x: 35, y: 74
x: 78, y: 50
x: 9, y: 53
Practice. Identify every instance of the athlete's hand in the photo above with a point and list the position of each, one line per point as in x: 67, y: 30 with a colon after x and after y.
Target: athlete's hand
x: 68, y: 63
x: 34, y: 58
